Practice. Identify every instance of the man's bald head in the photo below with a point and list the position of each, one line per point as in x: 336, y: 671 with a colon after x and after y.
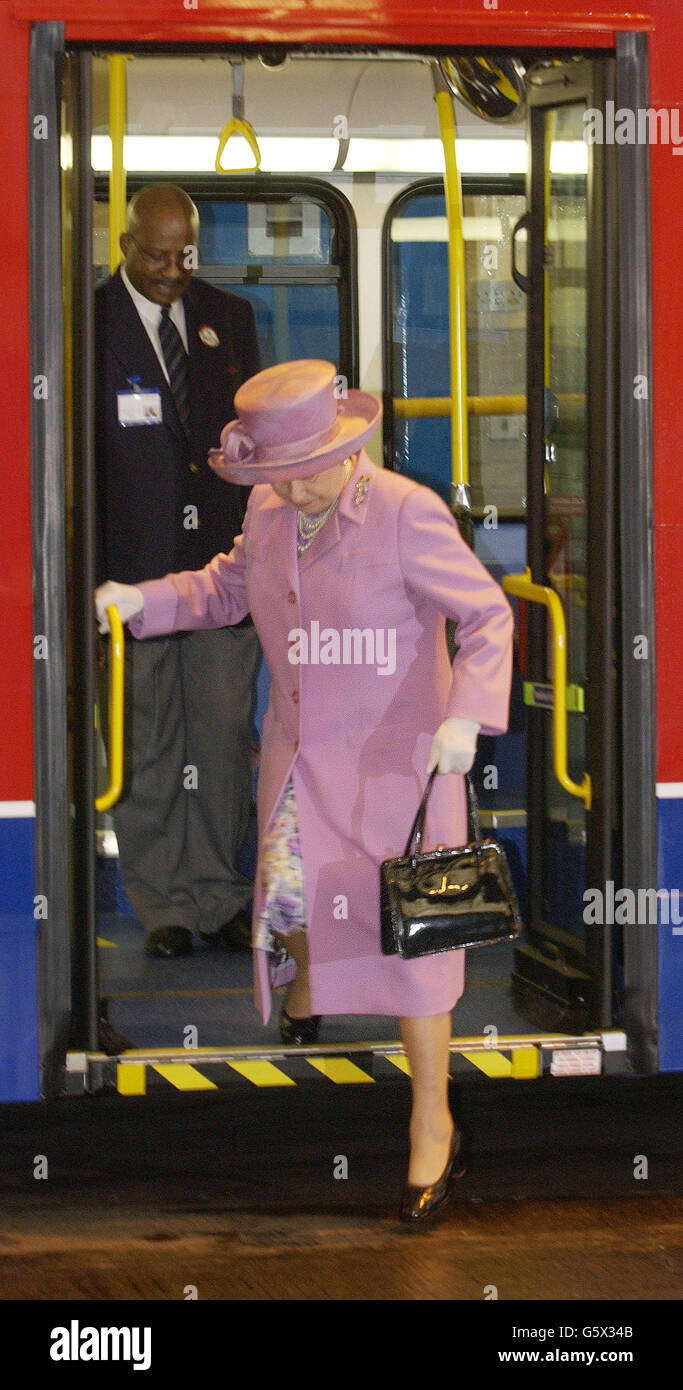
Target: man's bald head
x: 160, y: 200
x: 162, y: 225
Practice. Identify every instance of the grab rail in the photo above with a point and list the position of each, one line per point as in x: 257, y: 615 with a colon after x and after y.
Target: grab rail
x: 456, y: 287
x: 238, y: 125
x: 117, y: 176
x: 429, y: 407
x: 521, y: 586
x: 113, y: 792
x: 233, y: 127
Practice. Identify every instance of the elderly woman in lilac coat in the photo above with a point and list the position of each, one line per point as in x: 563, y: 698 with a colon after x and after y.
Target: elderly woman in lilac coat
x: 349, y: 573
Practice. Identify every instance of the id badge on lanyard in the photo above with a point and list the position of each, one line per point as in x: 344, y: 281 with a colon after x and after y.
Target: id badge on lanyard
x: 139, y: 406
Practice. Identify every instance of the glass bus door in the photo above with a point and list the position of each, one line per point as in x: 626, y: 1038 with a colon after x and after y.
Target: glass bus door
x: 563, y: 975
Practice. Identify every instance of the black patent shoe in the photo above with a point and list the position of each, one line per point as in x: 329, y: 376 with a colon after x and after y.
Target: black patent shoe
x: 420, y: 1205
x: 165, y: 942
x: 299, y: 1032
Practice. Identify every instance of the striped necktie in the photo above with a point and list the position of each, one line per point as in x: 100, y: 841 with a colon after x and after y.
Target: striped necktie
x: 175, y: 358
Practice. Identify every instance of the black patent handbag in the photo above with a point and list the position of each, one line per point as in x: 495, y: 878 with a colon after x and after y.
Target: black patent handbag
x: 448, y: 899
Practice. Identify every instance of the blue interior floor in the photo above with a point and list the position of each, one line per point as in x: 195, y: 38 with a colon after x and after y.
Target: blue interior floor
x: 153, y: 1002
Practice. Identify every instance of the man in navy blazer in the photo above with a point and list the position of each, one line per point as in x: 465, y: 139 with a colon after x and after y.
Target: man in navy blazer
x: 171, y: 352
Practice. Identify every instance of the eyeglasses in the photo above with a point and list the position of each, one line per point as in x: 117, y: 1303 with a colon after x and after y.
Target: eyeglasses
x: 158, y: 260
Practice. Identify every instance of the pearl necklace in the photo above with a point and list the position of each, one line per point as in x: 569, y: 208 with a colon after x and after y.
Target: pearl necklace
x: 309, y: 526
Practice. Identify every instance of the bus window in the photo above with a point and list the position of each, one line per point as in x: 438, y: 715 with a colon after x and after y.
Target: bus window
x: 289, y: 246
x: 417, y: 347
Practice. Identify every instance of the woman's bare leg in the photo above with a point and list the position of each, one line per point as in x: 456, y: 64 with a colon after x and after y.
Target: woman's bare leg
x: 298, y: 995
x: 431, y: 1124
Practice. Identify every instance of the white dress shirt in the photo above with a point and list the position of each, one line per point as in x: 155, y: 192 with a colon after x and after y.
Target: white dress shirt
x: 150, y: 315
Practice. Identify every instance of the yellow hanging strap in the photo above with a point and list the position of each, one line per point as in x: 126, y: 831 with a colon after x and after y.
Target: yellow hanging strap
x: 238, y: 125
x: 456, y: 291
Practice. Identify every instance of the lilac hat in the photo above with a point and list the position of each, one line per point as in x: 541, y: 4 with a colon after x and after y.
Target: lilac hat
x: 291, y: 425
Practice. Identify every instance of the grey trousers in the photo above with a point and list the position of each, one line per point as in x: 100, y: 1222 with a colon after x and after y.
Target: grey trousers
x: 186, y: 800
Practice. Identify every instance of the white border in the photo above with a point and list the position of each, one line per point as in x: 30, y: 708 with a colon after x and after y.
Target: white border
x: 18, y: 809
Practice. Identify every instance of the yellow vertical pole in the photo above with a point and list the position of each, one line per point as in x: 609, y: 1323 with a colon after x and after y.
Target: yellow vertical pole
x: 117, y: 177
x: 456, y: 293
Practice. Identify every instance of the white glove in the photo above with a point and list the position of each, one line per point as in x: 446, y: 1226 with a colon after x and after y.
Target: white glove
x: 126, y: 597
x: 454, y: 746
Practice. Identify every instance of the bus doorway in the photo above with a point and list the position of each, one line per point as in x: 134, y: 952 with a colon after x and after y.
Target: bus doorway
x: 541, y: 355
x: 540, y: 266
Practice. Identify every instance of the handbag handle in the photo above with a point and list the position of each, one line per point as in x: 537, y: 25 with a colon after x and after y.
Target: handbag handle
x: 418, y: 824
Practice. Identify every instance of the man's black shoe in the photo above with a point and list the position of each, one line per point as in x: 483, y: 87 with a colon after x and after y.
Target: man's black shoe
x: 111, y: 1042
x: 234, y: 935
x: 169, y: 941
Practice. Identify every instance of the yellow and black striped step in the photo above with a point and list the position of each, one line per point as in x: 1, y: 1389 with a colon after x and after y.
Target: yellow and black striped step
x: 135, y: 1072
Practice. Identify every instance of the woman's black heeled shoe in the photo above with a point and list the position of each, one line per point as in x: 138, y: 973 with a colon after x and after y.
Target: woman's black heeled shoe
x: 298, y: 1032
x: 420, y: 1204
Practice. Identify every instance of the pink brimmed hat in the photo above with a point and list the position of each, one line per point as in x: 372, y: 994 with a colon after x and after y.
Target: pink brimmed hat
x: 292, y: 423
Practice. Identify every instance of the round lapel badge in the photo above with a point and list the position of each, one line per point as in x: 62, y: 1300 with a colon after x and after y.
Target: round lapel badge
x: 209, y: 336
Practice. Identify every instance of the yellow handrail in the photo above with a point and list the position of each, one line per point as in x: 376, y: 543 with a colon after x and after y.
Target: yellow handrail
x: 427, y: 407
x: 117, y: 177
x: 113, y: 792
x: 456, y: 288
x: 520, y: 586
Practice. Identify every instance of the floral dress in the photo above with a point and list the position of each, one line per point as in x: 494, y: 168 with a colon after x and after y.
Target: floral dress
x: 282, y: 875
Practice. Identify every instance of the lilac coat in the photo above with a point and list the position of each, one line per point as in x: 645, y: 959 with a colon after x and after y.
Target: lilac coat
x: 355, y: 735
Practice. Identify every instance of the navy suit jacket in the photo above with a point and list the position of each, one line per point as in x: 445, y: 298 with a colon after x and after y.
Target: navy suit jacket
x: 150, y: 476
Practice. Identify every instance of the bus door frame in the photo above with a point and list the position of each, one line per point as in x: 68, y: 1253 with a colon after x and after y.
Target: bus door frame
x: 621, y: 702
